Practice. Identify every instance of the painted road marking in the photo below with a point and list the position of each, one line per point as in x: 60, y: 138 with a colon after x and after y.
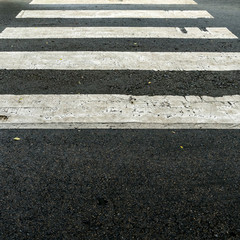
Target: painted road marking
x: 118, y: 111
x: 115, y: 32
x: 97, y: 60
x: 113, y: 14
x: 113, y: 2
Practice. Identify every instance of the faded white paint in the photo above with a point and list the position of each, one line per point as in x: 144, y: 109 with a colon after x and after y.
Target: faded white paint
x: 159, y: 61
x: 118, y: 111
x: 115, y: 32
x: 188, y: 14
x: 113, y: 2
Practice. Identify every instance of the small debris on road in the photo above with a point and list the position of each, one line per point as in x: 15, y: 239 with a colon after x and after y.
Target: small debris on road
x: 3, y: 117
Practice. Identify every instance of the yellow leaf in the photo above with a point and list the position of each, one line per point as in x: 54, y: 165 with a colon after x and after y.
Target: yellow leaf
x: 20, y: 99
x: 17, y: 139
x: 181, y: 147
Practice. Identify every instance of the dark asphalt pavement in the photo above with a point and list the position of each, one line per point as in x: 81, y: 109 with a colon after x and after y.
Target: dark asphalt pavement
x: 120, y: 184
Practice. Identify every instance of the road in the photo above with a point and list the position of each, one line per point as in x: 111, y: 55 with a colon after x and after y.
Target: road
x: 101, y: 137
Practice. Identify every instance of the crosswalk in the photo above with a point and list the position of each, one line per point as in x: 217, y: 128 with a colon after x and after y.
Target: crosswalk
x: 113, y: 2
x: 113, y: 14
x: 115, y: 32
x: 117, y: 110
x: 157, y: 61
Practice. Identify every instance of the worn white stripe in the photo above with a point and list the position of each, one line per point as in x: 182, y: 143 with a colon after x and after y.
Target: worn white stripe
x: 162, y: 61
x: 115, y: 32
x: 113, y: 2
x: 118, y: 111
x: 113, y: 14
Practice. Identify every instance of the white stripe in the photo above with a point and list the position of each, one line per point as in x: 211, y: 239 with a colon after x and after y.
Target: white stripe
x: 118, y: 111
x: 162, y: 61
x: 113, y: 2
x: 115, y: 32
x: 113, y: 14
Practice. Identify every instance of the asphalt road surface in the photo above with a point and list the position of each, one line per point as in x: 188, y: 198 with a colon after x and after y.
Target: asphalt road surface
x: 142, y: 183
